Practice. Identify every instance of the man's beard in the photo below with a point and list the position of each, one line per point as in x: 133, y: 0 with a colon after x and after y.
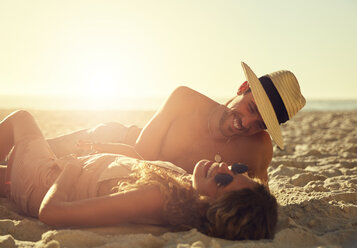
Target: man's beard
x: 221, y: 122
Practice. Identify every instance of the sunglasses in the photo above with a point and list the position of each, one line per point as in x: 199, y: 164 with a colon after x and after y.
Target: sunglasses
x: 223, y: 179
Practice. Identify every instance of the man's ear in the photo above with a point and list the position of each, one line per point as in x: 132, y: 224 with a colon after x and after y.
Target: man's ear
x: 243, y: 88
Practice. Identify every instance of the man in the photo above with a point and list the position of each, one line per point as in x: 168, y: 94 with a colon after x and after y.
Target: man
x: 190, y: 126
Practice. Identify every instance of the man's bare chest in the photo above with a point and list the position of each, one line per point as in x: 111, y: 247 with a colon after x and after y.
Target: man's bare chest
x: 183, y: 137
x: 188, y: 142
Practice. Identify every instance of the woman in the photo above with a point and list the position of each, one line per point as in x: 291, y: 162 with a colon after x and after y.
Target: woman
x: 106, y: 189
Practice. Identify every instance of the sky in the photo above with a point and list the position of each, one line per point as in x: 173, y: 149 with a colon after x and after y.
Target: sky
x: 112, y: 49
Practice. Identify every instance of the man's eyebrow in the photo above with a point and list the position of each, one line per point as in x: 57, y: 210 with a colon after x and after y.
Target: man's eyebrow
x: 254, y: 106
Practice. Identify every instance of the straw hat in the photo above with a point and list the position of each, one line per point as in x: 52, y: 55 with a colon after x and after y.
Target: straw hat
x: 278, y: 99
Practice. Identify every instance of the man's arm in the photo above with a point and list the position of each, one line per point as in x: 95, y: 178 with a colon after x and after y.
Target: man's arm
x: 148, y: 145
x: 264, y: 157
x: 150, y: 141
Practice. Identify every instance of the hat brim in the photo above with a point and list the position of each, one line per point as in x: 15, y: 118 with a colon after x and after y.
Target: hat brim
x: 264, y: 106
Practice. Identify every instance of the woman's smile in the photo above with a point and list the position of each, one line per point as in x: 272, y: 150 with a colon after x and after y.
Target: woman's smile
x: 209, y: 167
x: 205, y: 181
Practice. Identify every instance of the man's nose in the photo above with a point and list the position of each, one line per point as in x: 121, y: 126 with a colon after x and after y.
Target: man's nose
x: 248, y: 120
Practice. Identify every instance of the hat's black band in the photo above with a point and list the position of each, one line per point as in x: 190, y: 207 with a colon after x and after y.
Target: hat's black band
x: 275, y: 99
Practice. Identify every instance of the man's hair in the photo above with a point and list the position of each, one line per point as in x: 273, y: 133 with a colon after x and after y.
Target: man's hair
x: 243, y: 214
x: 244, y: 93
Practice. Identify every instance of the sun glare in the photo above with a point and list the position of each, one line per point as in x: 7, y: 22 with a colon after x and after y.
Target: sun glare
x: 99, y: 80
x: 100, y: 86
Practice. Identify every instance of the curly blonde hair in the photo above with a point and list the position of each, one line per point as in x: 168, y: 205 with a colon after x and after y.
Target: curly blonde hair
x: 183, y: 209
x: 243, y: 214
x: 236, y: 215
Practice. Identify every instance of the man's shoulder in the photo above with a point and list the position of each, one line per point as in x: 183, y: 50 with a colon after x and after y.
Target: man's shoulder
x: 262, y: 143
x: 261, y: 139
x: 184, y: 96
x: 257, y: 147
x: 184, y: 91
x: 256, y: 151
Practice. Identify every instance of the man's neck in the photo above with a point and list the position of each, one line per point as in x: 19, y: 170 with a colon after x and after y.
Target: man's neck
x: 214, y: 124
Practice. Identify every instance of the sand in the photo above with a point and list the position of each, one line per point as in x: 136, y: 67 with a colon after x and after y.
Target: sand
x: 314, y: 180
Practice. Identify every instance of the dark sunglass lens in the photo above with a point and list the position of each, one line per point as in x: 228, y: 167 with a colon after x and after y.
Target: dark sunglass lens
x: 239, y: 168
x: 223, y: 179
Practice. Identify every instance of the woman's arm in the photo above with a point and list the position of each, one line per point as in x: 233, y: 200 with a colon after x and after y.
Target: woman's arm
x: 117, y: 148
x: 55, y: 210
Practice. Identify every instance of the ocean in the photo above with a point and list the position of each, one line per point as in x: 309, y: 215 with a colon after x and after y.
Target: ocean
x: 330, y: 105
x: 135, y: 103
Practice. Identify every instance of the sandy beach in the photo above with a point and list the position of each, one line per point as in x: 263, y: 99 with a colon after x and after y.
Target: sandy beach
x: 314, y: 180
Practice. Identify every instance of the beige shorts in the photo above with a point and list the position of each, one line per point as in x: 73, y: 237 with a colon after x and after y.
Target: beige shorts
x: 33, y: 171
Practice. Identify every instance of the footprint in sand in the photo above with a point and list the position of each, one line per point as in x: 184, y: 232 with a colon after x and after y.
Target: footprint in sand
x: 304, y: 178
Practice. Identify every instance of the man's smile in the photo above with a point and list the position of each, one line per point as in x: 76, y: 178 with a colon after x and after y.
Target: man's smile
x: 236, y: 125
